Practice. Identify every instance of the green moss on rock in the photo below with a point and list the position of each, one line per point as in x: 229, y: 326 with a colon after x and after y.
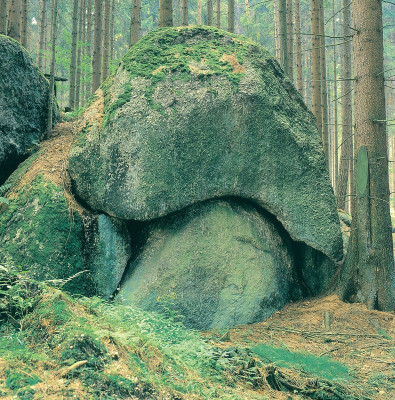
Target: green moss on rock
x: 37, y: 231
x: 196, y: 113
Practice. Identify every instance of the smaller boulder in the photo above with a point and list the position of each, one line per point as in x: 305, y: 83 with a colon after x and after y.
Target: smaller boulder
x: 218, y: 264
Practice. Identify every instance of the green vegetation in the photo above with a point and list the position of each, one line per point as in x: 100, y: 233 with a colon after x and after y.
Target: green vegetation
x: 27, y: 226
x: 107, y: 351
x: 161, y: 55
x: 322, y: 367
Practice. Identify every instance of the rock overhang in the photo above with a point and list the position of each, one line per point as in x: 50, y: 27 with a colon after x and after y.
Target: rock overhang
x: 197, y: 113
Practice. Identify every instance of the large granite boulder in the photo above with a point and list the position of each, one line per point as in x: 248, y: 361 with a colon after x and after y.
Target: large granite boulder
x: 218, y: 264
x: 198, y: 113
x: 23, y: 105
x: 48, y: 234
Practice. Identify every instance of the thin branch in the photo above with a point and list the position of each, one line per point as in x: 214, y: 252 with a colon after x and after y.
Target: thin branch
x: 338, y: 11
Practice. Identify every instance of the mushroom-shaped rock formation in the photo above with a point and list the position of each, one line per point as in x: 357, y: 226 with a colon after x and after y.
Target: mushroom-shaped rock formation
x: 43, y: 229
x: 197, y: 113
x: 23, y: 105
x: 218, y: 264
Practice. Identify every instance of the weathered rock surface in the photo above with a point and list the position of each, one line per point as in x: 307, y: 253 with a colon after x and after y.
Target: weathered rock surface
x: 218, y: 264
x: 197, y: 113
x: 43, y: 229
x: 23, y: 105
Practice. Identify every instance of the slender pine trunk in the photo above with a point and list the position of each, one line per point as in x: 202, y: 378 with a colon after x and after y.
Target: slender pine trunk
x: 88, y: 82
x: 184, y: 13
x: 3, y: 16
x: 218, y: 14
x: 290, y: 39
x: 231, y: 16
x: 316, y: 63
x: 97, y: 45
x: 106, y: 39
x: 73, y: 54
x: 346, y: 145
x: 165, y: 13
x: 282, y: 28
x: 199, y: 12
x: 24, y: 24
x: 15, y: 20
x: 51, y: 97
x: 210, y: 12
x: 135, y: 25
x: 298, y: 58
x: 79, y: 54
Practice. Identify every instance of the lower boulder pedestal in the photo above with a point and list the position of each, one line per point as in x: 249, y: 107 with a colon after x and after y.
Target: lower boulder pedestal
x: 218, y: 264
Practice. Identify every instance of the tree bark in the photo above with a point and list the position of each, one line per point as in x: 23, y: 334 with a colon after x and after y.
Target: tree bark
x: 135, y: 25
x: 88, y: 82
x: 3, y: 17
x: 324, y: 89
x: 346, y: 148
x: 218, y: 14
x: 54, y: 26
x: 112, y: 28
x: 24, y: 24
x: 199, y: 12
x: 106, y: 39
x: 231, y: 16
x: 73, y: 54
x: 184, y: 13
x: 290, y: 39
x: 299, y: 66
x: 79, y: 54
x: 42, y: 35
x: 165, y: 13
x: 335, y: 154
x: 369, y: 272
x: 210, y: 12
x: 15, y: 20
x: 276, y: 38
x: 316, y: 63
x: 282, y: 30
x: 97, y: 45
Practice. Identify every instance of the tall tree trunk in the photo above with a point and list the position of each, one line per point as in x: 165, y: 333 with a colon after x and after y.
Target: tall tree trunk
x: 324, y: 89
x: 73, y: 54
x: 135, y: 25
x: 231, y: 16
x: 210, y: 12
x: 3, y: 17
x: 316, y: 63
x: 15, y: 20
x: 97, y: 45
x: 199, y: 12
x: 165, y: 13
x: 54, y: 26
x: 185, y: 12
x: 369, y: 272
x: 290, y: 40
x: 218, y: 14
x: 112, y: 28
x: 282, y: 29
x: 335, y: 154
x: 88, y: 82
x: 276, y: 38
x: 299, y: 66
x: 42, y: 35
x: 24, y: 24
x: 307, y: 65
x: 79, y: 53
x: 346, y: 148
x: 106, y: 39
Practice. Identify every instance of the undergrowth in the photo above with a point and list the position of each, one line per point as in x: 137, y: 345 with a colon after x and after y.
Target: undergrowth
x: 87, y: 348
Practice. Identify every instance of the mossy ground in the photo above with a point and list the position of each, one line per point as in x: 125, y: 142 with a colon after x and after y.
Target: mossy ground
x: 65, y: 347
